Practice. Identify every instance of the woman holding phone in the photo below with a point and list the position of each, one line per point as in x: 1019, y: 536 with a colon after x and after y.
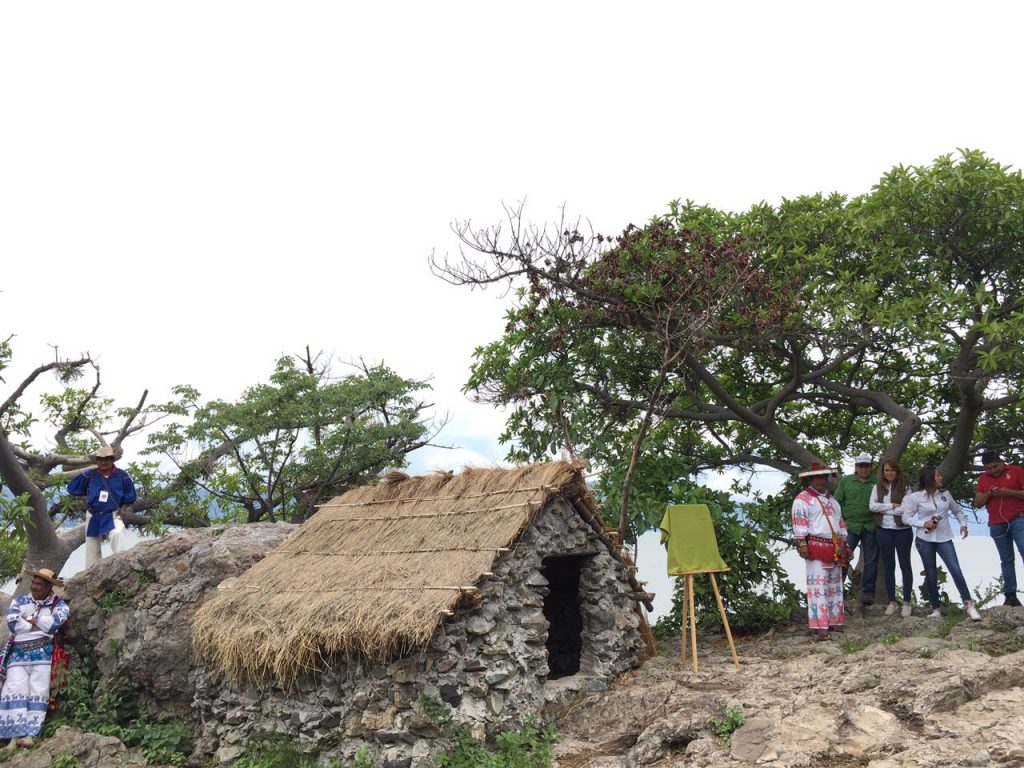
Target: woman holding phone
x: 928, y: 510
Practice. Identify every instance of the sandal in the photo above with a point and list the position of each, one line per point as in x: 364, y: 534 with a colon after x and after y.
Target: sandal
x: 821, y: 634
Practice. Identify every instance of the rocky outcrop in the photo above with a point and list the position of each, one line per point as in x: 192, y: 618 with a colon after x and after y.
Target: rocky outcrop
x: 890, y: 692
x: 131, y: 614
x: 88, y: 750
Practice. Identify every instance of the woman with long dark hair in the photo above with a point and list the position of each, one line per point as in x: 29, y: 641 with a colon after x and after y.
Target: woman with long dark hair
x: 928, y: 509
x: 895, y: 538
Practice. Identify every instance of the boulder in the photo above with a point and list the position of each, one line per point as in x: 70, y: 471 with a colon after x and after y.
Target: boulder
x: 131, y: 614
x: 90, y: 750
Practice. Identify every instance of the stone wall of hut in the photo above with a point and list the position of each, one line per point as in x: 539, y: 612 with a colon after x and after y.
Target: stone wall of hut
x: 488, y: 665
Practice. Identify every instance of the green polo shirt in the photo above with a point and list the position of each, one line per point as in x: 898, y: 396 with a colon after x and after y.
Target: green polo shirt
x: 854, y: 495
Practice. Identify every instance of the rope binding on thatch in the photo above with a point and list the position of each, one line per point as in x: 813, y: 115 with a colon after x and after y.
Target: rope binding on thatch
x: 348, y: 583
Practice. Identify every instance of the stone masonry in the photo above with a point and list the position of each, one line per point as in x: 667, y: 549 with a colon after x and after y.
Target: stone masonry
x: 488, y: 664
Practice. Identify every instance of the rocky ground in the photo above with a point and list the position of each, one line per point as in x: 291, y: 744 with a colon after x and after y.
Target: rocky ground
x: 887, y: 692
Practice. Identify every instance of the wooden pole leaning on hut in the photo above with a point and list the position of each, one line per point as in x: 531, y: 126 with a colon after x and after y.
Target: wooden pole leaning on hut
x: 689, y: 535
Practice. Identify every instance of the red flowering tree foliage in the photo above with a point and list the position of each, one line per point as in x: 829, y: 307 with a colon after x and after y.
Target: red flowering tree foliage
x: 602, y: 326
x: 812, y: 330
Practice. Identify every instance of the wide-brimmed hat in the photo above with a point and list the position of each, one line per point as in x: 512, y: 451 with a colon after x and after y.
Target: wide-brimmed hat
x: 103, y: 453
x: 817, y: 469
x: 47, y: 575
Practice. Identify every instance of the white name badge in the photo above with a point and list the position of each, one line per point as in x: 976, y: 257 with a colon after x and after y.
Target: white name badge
x: 104, y: 495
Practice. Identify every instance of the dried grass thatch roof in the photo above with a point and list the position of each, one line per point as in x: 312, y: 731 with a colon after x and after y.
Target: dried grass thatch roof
x: 376, y: 570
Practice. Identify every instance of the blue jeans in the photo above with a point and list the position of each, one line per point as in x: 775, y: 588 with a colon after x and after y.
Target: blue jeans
x: 927, y: 550
x: 893, y: 543
x: 869, y: 550
x: 1005, y: 535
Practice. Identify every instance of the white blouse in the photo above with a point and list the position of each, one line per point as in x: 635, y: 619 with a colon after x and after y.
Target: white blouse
x: 919, y: 508
x: 891, y: 513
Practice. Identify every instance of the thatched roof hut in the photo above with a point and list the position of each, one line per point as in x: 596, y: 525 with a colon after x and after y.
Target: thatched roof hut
x: 374, y: 572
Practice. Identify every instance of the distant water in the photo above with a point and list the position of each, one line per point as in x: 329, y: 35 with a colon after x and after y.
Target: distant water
x: 976, y: 553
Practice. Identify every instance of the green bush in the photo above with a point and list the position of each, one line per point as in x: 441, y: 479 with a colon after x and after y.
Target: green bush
x: 730, y: 720
x: 273, y: 752
x: 278, y: 751
x: 856, y: 645
x: 66, y: 760
x: 113, y: 712
x: 529, y: 747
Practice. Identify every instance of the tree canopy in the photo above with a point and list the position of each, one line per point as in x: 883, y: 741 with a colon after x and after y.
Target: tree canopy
x: 882, y: 322
x: 275, y: 453
x: 288, y: 444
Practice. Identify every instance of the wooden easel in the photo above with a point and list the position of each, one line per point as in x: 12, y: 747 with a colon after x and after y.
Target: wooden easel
x: 689, y: 612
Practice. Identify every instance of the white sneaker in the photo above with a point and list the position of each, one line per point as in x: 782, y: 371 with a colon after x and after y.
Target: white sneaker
x: 972, y: 612
x: 890, y: 609
x: 906, y: 611
x: 936, y: 614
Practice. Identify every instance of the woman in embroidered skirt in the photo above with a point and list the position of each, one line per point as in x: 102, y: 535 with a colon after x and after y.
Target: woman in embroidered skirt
x: 817, y: 523
x: 928, y: 510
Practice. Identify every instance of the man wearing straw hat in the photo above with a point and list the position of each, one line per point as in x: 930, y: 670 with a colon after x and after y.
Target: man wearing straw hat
x: 108, y: 491
x: 33, y: 620
x: 817, y: 526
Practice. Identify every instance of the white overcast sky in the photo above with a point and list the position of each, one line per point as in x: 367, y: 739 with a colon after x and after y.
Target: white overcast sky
x: 189, y: 189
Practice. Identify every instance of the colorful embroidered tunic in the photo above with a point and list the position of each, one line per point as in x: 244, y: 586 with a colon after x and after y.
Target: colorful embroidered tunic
x: 824, y: 580
x: 26, y: 690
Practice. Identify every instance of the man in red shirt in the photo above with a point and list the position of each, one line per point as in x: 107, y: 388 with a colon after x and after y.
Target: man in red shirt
x: 1001, y: 490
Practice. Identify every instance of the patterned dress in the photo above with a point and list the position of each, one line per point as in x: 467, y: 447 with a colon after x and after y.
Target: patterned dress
x: 824, y: 580
x: 26, y: 690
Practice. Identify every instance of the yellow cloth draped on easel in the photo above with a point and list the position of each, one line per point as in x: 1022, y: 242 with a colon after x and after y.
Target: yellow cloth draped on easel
x: 689, y: 534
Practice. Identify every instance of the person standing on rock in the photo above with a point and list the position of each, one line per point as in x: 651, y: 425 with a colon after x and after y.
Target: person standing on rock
x: 854, y: 494
x: 895, y: 538
x: 108, y: 491
x: 928, y: 509
x: 33, y: 620
x: 1001, y: 491
x: 819, y: 529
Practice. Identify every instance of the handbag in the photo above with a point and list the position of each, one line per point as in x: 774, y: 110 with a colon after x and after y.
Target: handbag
x: 831, y: 550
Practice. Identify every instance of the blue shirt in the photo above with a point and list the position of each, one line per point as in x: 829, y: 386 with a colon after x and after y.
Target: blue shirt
x: 91, y: 484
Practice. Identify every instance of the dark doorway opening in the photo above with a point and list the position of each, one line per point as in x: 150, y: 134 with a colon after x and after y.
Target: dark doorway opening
x: 562, y: 610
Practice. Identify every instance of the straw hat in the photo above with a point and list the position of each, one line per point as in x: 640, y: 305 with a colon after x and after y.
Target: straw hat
x: 817, y: 469
x: 104, y: 452
x: 47, y: 575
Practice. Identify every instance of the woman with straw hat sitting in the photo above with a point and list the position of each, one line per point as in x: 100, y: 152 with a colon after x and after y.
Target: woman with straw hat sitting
x: 33, y: 620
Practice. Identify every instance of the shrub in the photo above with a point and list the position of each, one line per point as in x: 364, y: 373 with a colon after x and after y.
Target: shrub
x: 730, y: 720
x: 112, y: 712
x: 66, y: 760
x: 529, y: 747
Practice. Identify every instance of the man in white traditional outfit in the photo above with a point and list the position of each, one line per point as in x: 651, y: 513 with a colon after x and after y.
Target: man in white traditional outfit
x: 33, y: 620
x: 820, y: 534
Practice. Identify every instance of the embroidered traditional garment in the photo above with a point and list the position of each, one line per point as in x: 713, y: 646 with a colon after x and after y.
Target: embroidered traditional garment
x: 26, y: 691
x: 824, y: 580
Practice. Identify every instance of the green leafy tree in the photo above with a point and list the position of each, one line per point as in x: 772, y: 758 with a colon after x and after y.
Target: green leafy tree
x: 879, y: 322
x: 35, y: 511
x: 274, y: 454
x: 288, y: 444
